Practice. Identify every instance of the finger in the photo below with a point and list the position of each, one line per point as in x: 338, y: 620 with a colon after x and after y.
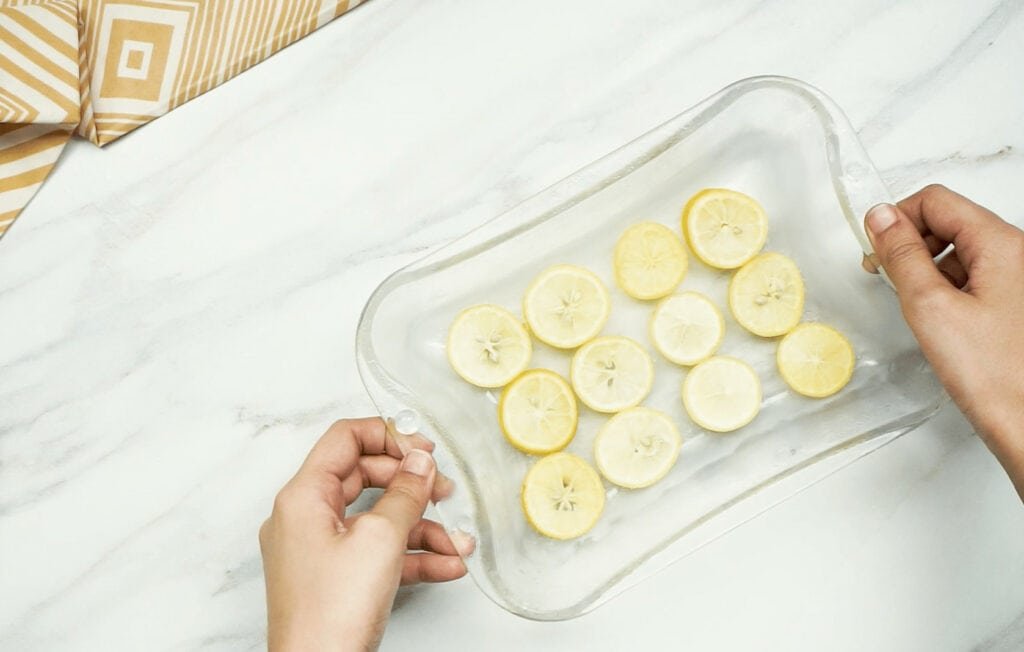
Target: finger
x: 902, y: 252
x: 870, y: 263
x: 340, y: 447
x: 431, y: 567
x: 951, y: 217
x: 377, y: 471
x: 935, y: 244
x: 935, y: 247
x: 432, y: 537
x: 335, y: 457
x: 406, y: 496
x: 356, y: 437
x: 416, y: 440
x: 951, y: 267
x: 337, y: 453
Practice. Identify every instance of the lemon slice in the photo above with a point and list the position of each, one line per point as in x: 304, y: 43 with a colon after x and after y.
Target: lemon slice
x: 538, y: 412
x: 611, y: 374
x: 636, y: 448
x: 562, y: 496
x: 687, y: 328
x: 725, y: 228
x: 566, y: 306
x: 766, y: 296
x: 650, y: 261
x: 722, y: 394
x: 815, y: 360
x: 488, y: 346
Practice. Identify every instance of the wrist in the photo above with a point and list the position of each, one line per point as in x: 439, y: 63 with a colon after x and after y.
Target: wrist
x: 312, y: 631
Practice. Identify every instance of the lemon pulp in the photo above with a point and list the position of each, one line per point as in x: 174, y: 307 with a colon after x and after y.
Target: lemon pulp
x: 650, y: 261
x: 637, y: 447
x: 537, y: 412
x: 815, y: 360
x: 766, y: 296
x: 562, y: 496
x: 488, y: 346
x: 724, y: 228
x: 611, y: 374
x: 687, y: 328
x: 722, y: 394
x: 566, y: 306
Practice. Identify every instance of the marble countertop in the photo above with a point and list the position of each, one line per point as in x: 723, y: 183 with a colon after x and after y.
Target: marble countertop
x: 177, y: 314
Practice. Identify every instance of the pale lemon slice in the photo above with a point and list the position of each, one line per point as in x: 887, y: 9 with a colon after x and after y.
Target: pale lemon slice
x: 815, y: 360
x: 611, y: 374
x: 562, y: 496
x: 538, y: 412
x: 636, y: 448
x: 488, y: 346
x: 566, y: 306
x: 724, y: 228
x: 766, y: 296
x: 722, y: 394
x: 687, y: 328
x: 650, y: 261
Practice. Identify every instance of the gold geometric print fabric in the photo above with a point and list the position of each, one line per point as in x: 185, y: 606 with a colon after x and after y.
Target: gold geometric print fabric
x: 39, y: 95
x: 146, y: 57
x: 102, y: 68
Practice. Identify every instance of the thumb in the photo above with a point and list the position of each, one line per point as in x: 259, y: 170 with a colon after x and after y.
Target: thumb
x: 902, y: 252
x: 406, y: 497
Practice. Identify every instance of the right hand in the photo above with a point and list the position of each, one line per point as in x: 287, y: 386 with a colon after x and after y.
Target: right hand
x: 966, y: 311
x: 331, y: 576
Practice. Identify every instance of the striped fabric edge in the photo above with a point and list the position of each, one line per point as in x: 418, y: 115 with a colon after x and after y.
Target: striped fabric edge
x: 39, y: 96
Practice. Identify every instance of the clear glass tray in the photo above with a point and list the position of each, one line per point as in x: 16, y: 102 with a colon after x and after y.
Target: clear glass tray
x: 777, y: 139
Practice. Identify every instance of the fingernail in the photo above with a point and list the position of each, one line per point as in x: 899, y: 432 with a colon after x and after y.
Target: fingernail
x: 881, y: 217
x: 462, y: 541
x: 418, y: 462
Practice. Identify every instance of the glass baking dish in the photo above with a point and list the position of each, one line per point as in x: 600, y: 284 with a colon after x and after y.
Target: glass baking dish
x: 777, y: 139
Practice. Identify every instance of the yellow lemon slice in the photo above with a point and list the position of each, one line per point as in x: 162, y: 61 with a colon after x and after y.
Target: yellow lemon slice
x: 562, y: 496
x: 636, y: 448
x: 815, y: 360
x: 566, y: 306
x: 538, y: 412
x: 611, y: 374
x: 722, y: 394
x: 488, y: 346
x: 687, y: 328
x: 724, y: 228
x: 766, y: 296
x: 650, y: 261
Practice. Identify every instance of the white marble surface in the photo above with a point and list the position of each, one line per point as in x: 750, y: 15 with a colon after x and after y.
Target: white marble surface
x: 177, y: 316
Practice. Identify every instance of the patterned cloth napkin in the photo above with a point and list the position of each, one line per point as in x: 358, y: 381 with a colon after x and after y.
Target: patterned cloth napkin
x: 101, y: 68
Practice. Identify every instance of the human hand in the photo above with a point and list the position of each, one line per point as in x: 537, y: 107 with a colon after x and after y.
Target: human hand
x: 331, y: 579
x: 967, y: 310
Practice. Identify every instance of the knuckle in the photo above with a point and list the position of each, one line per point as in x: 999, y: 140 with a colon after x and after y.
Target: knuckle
x: 902, y: 251
x: 375, y: 526
x: 405, y: 493
x: 286, y: 500
x: 934, y: 189
x: 340, y: 424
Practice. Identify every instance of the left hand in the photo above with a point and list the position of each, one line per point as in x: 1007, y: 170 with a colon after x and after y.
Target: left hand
x: 331, y: 579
